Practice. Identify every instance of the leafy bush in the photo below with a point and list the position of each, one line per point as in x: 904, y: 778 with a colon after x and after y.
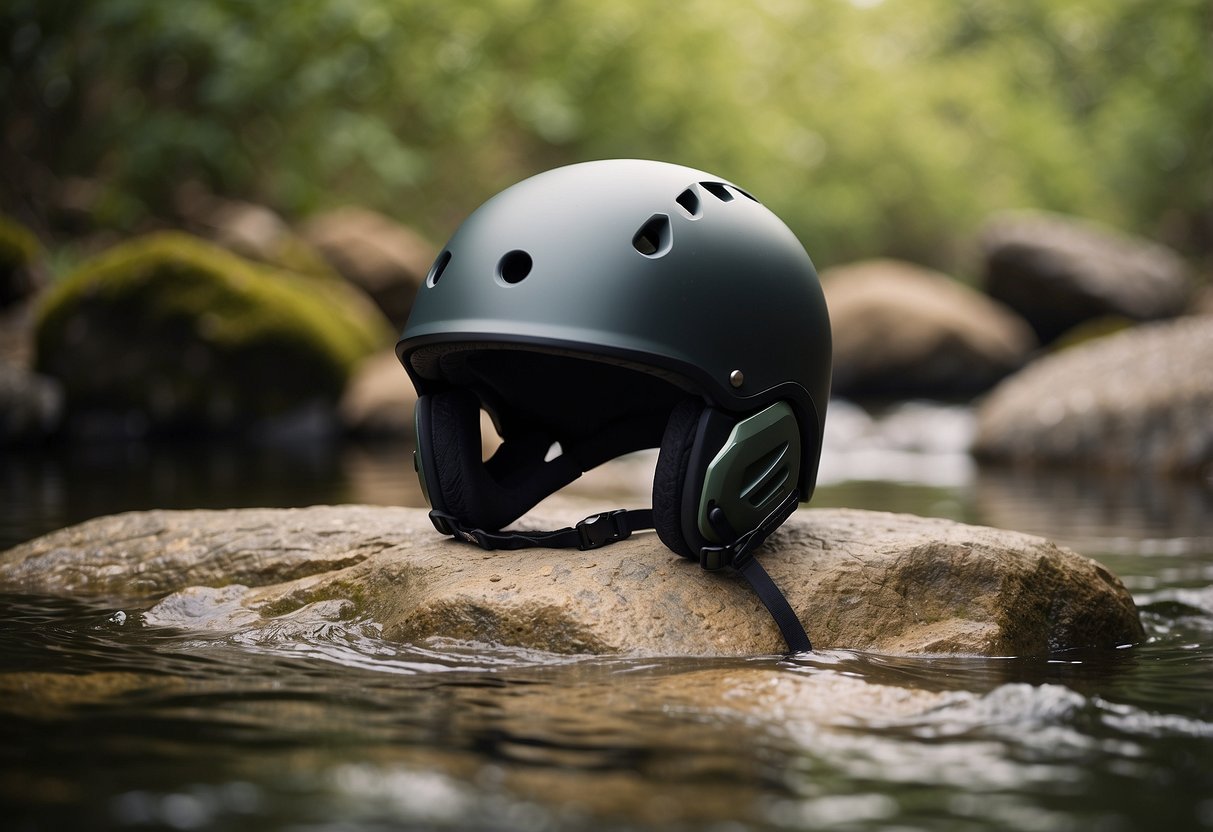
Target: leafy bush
x: 873, y: 128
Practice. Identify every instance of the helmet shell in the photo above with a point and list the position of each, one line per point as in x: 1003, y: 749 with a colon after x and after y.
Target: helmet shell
x: 658, y: 267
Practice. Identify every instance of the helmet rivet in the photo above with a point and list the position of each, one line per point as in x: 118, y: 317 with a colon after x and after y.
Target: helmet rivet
x: 736, y: 378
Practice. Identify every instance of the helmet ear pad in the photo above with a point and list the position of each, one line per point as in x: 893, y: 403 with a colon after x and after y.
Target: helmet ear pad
x: 488, y: 495
x: 693, y: 435
x: 748, y: 479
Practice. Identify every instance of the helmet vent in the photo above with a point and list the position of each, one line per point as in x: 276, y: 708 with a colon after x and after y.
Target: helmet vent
x: 438, y: 268
x: 514, y: 266
x: 689, y: 200
x: 764, y: 478
x: 719, y: 190
x: 654, y: 238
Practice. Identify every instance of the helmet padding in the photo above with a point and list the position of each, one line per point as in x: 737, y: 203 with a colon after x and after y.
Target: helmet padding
x: 494, y: 493
x: 670, y: 476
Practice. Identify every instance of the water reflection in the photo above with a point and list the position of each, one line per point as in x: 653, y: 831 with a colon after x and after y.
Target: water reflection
x: 1106, y: 512
x: 46, y: 489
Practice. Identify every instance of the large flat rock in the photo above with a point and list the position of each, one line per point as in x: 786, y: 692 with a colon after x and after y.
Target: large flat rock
x: 860, y: 580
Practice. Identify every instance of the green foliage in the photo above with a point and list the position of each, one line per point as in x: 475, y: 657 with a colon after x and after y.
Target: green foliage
x: 873, y: 128
x: 192, y: 335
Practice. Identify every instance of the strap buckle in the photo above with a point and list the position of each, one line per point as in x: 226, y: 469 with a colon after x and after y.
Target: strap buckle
x: 735, y: 555
x: 598, y: 530
x: 448, y: 525
x: 739, y: 552
x: 442, y: 522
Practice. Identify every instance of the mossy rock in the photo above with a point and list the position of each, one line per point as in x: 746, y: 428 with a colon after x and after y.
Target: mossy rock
x: 193, y: 336
x: 19, y: 254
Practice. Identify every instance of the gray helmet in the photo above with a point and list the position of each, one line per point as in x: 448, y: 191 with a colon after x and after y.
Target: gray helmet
x: 612, y: 306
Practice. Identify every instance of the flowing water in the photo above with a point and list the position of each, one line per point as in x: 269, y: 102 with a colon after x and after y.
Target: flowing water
x: 108, y: 723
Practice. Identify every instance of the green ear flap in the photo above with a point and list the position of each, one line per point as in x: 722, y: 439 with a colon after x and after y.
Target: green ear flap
x: 755, y: 470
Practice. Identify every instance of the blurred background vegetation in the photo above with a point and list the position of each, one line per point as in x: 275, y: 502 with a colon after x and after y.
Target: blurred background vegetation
x: 873, y: 128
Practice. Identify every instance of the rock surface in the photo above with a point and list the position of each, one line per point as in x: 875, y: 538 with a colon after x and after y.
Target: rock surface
x: 1138, y: 400
x: 900, y: 329
x: 859, y: 580
x: 1059, y: 271
x: 385, y: 259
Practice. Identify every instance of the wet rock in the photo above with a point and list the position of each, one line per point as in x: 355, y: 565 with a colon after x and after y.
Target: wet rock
x: 900, y: 329
x: 175, y: 333
x: 1059, y: 271
x: 31, y: 406
x: 859, y: 580
x: 1137, y: 400
x: 386, y: 259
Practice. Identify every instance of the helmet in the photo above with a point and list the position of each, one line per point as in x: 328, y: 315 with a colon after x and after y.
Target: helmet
x: 613, y: 306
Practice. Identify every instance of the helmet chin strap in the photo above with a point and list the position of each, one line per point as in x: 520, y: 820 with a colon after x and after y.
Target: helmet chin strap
x: 598, y: 530
x: 738, y: 552
x: 593, y: 532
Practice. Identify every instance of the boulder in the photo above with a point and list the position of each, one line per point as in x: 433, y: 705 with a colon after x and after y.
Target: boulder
x: 1202, y: 301
x: 379, y: 399
x: 384, y: 258
x: 1137, y: 400
x: 250, y: 230
x: 189, y: 336
x: 900, y: 329
x: 859, y: 580
x: 1059, y: 271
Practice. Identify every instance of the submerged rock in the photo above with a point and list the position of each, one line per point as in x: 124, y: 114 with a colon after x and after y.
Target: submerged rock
x: 1137, y: 400
x: 1060, y: 271
x: 859, y: 580
x: 900, y: 329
